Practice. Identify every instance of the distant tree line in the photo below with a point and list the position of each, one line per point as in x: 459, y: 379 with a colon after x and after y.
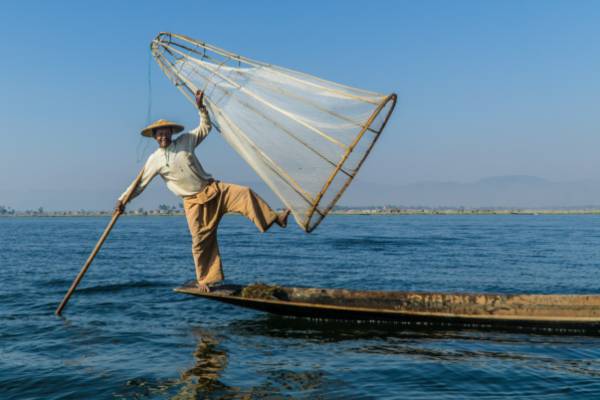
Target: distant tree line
x: 162, y: 209
x: 5, y: 210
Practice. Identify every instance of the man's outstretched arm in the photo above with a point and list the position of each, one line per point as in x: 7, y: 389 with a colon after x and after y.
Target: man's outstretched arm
x: 149, y: 173
x: 199, y: 134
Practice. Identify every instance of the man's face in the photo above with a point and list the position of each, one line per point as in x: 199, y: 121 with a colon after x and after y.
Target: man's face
x: 163, y: 136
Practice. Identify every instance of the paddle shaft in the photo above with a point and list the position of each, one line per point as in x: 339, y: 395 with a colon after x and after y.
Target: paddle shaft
x: 99, y: 244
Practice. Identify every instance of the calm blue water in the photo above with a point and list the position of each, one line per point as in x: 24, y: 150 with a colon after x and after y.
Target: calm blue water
x: 125, y: 334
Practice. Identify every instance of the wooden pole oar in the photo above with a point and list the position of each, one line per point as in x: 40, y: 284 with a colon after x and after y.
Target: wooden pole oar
x: 87, y: 264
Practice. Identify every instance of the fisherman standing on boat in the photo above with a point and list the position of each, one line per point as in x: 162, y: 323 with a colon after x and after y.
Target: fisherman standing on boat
x: 205, y: 200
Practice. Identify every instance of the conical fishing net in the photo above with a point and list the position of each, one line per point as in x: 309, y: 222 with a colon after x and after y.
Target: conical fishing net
x: 304, y: 136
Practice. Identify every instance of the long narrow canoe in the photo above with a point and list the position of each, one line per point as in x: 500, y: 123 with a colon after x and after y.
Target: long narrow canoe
x: 570, y: 314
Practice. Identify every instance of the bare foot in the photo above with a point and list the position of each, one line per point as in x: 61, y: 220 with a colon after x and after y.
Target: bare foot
x: 283, y: 217
x: 203, y: 287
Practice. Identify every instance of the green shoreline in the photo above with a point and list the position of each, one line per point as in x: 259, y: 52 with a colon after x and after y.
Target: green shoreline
x: 469, y: 212
x: 375, y: 211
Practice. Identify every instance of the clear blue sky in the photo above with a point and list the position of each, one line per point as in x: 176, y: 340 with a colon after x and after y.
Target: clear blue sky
x: 485, y: 88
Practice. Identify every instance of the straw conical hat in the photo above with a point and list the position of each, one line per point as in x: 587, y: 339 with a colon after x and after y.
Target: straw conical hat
x: 161, y: 123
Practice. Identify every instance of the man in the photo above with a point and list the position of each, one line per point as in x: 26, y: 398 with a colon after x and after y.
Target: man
x: 205, y: 200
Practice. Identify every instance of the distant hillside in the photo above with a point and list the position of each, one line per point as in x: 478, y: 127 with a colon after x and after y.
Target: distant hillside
x: 498, y: 191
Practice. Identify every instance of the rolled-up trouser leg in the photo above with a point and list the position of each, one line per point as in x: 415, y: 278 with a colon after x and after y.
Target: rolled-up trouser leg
x: 243, y: 200
x: 203, y: 220
x: 207, y: 259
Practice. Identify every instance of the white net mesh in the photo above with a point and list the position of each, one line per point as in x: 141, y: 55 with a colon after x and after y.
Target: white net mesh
x: 304, y: 136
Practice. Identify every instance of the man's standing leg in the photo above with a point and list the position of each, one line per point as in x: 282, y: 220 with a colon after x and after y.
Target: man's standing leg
x: 203, y: 220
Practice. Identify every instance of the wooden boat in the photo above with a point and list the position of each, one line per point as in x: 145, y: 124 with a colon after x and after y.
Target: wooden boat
x: 524, y: 312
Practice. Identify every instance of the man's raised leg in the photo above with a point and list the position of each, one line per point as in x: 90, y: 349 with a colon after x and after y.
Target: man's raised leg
x: 243, y: 200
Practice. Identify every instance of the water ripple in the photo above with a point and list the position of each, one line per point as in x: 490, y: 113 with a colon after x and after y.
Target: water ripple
x: 126, y: 335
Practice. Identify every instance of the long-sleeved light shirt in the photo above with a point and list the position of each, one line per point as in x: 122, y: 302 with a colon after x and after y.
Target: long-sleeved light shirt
x: 177, y: 164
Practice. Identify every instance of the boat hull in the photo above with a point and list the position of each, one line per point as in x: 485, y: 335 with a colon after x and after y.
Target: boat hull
x: 569, y: 314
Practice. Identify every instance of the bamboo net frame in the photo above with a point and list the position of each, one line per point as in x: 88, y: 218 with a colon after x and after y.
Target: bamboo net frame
x: 328, y: 128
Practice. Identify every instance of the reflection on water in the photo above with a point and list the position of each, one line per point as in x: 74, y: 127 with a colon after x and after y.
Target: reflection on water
x: 467, y: 356
x: 203, y: 380
x: 539, y: 355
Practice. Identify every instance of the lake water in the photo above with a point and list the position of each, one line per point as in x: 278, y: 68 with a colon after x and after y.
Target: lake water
x: 126, y: 335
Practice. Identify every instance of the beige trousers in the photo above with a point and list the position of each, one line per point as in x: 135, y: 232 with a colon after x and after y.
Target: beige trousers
x: 204, y: 211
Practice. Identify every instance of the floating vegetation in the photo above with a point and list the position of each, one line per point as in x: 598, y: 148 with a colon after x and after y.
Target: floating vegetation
x: 263, y: 291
